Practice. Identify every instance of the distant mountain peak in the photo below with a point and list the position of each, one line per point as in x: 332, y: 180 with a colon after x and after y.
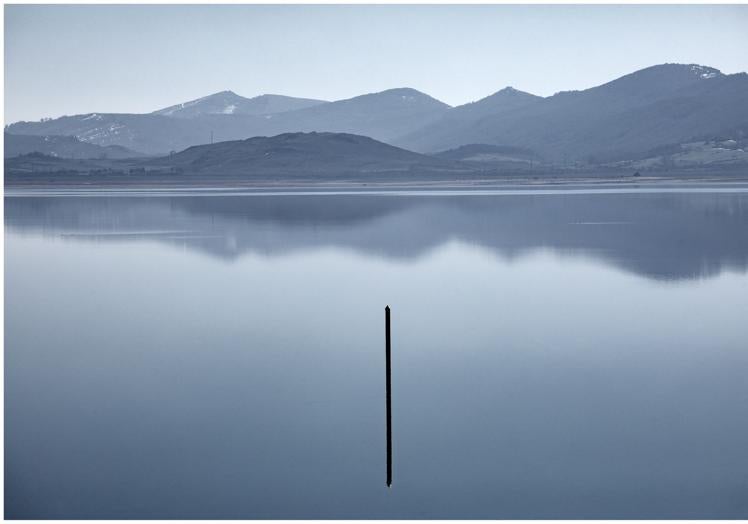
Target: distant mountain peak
x: 499, y: 100
x: 704, y: 72
x: 676, y: 69
x: 209, y: 104
x: 697, y: 70
x: 403, y: 91
x: 659, y: 80
x: 405, y: 95
x: 510, y: 91
x: 229, y: 103
x: 221, y: 94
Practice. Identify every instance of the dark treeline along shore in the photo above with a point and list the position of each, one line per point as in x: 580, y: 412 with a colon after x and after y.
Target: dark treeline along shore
x: 667, y: 120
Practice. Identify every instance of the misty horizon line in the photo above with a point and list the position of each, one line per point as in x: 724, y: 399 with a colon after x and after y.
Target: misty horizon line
x: 509, y: 88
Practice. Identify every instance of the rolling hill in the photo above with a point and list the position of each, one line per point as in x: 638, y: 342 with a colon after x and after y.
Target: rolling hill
x: 301, y: 154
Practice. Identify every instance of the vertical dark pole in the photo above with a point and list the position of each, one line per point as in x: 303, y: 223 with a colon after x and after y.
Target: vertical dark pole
x: 388, y: 361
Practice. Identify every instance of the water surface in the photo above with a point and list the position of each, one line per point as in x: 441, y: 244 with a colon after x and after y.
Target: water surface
x: 555, y: 355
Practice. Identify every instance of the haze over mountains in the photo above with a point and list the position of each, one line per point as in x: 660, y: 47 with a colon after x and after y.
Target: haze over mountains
x: 660, y: 110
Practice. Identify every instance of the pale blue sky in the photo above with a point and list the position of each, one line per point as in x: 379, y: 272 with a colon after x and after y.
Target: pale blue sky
x: 129, y: 58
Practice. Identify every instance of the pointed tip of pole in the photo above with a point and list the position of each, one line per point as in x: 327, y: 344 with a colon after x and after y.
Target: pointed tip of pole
x: 387, y: 307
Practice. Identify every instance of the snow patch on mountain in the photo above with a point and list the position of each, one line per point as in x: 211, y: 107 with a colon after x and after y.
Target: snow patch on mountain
x: 705, y: 72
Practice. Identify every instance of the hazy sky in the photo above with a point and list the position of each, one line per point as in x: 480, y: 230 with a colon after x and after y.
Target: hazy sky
x: 77, y: 59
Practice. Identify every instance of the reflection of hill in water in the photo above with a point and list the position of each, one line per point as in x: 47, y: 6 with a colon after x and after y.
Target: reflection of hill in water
x: 658, y: 235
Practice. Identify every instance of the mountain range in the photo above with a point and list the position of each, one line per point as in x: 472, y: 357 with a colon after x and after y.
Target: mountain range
x: 225, y: 116
x: 666, y: 104
x: 651, y: 113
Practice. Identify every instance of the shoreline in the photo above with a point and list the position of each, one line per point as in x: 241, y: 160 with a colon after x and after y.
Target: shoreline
x: 363, y: 182
x: 474, y: 186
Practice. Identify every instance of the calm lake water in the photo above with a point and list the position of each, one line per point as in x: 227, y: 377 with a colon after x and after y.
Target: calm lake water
x: 555, y: 354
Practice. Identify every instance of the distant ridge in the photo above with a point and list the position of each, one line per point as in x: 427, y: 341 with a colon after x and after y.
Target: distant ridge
x: 62, y: 147
x: 229, y: 103
x: 383, y: 116
x: 660, y: 105
x: 460, y: 120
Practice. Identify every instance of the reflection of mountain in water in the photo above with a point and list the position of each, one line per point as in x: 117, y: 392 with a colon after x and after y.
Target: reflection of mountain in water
x: 658, y: 235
